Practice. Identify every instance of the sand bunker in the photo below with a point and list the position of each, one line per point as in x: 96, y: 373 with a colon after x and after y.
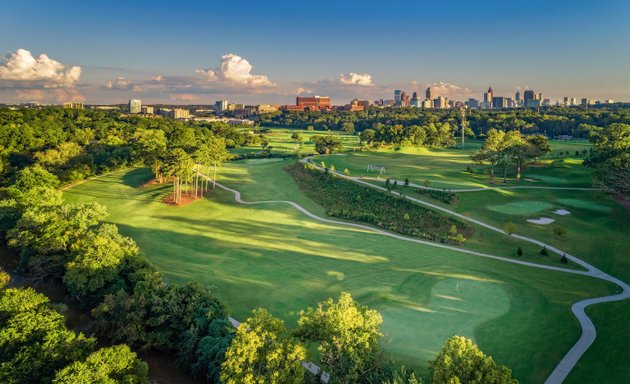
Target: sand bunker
x: 542, y: 221
x: 561, y: 212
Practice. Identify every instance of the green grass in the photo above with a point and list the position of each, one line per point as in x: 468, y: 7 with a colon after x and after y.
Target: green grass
x: 275, y: 257
x: 447, y: 167
x: 281, y: 142
x: 520, y: 207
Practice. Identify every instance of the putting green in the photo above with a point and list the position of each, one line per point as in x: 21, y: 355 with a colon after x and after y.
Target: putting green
x: 547, y: 178
x: 578, y: 203
x: 520, y: 207
x: 457, y: 305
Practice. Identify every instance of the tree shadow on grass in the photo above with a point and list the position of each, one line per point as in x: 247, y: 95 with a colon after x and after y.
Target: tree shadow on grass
x: 137, y: 177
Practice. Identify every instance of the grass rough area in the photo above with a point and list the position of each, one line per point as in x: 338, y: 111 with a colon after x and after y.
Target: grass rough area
x: 348, y: 200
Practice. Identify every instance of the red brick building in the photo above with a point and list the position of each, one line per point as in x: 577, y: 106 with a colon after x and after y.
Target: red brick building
x: 316, y: 103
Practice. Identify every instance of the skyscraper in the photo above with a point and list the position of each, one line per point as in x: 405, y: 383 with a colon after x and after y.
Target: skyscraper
x: 135, y: 106
x: 528, y: 97
x: 429, y: 94
x: 517, y: 97
x: 397, y: 94
x: 487, y: 98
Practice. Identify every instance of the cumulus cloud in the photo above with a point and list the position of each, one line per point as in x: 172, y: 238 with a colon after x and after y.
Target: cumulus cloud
x: 449, y: 90
x: 122, y: 84
x: 234, y: 71
x: 302, y: 90
x: 352, y: 78
x: 21, y: 66
x: 30, y: 94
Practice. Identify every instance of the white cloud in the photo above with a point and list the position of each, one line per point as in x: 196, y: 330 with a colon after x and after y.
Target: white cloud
x: 235, y: 71
x: 302, y: 90
x: 449, y: 90
x: 22, y: 66
x: 122, y: 84
x: 30, y: 94
x: 352, y: 78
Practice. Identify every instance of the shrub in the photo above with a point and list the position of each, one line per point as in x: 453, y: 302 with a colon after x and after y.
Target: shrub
x: 544, y: 252
x: 559, y: 231
x: 519, y: 251
x: 509, y: 228
x: 443, y: 195
x: 564, y: 259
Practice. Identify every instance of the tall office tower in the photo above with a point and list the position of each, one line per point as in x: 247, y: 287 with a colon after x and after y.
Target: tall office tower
x: 566, y: 101
x: 528, y: 96
x: 135, y: 106
x: 397, y: 94
x: 517, y: 97
x: 414, y: 96
x: 429, y: 94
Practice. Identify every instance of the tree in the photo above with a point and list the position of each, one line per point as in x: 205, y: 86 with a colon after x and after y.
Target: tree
x: 559, y: 231
x: 151, y: 148
x: 509, y: 228
x: 346, y: 335
x: 519, y: 251
x: 544, y: 251
x: 117, y: 364
x: 218, y: 154
x: 44, y: 234
x: 179, y: 165
x: 326, y: 144
x: 491, y: 150
x: 611, y: 158
x: 34, y: 340
x: 263, y: 353
x: 347, y: 126
x: 98, y: 259
x: 461, y: 361
x: 367, y: 137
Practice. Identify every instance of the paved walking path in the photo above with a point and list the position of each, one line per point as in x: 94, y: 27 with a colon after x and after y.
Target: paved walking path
x: 478, y: 189
x: 589, y: 332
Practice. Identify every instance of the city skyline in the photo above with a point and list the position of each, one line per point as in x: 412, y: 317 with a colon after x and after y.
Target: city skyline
x: 201, y: 53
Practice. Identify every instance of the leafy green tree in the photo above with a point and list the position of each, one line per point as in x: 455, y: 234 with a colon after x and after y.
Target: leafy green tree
x: 44, y: 234
x: 151, y: 148
x: 100, y: 256
x: 117, y: 364
x: 326, y: 144
x: 492, y: 150
x: 611, y: 158
x: 509, y: 228
x: 346, y: 335
x: 262, y: 353
x: 34, y: 341
x: 461, y: 361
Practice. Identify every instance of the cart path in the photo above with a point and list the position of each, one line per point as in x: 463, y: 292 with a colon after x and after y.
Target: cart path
x: 589, y: 332
x: 478, y: 189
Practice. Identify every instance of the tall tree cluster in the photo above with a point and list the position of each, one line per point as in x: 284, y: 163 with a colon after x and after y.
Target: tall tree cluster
x: 611, y: 158
x: 510, y: 149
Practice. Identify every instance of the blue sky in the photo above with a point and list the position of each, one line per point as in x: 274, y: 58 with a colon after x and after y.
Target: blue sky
x: 172, y: 52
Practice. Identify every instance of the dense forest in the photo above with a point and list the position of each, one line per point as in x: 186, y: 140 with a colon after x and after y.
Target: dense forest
x: 550, y: 121
x: 109, y: 277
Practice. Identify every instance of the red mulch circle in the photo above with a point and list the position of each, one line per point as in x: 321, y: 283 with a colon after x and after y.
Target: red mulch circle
x: 186, y: 198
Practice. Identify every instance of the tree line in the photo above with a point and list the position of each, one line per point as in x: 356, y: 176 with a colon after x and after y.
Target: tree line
x: 550, y: 121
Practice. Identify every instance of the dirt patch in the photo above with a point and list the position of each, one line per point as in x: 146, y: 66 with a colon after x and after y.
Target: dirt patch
x: 186, y: 199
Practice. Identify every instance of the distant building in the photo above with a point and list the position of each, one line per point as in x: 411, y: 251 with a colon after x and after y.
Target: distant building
x: 487, y: 98
x: 221, y: 105
x: 427, y: 104
x: 517, y: 97
x: 266, y: 108
x: 313, y: 103
x: 440, y: 102
x: 473, y: 103
x: 415, y: 102
x: 404, y: 99
x: 147, y: 110
x: 574, y: 101
x: 499, y: 102
x: 428, y: 94
x: 135, y: 106
x: 397, y: 97
x: 73, y: 105
x: 178, y: 113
